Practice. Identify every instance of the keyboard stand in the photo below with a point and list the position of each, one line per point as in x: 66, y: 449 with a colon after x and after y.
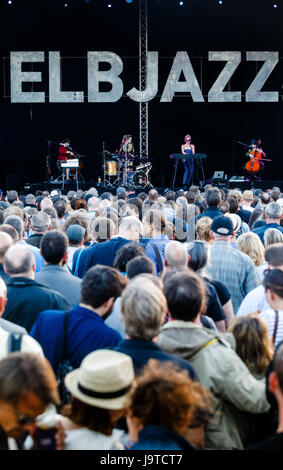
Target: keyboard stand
x: 76, y: 176
x: 199, y: 173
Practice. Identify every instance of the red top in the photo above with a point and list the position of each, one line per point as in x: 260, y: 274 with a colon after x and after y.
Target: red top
x: 62, y: 155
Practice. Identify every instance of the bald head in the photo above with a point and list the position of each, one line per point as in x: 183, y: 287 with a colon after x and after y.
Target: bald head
x: 176, y: 255
x: 19, y: 261
x: 5, y: 243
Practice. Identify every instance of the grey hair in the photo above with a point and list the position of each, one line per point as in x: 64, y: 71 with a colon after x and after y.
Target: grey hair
x: 273, y: 210
x: 130, y: 227
x: 176, y: 254
x: 18, y: 259
x: 93, y: 192
x: 40, y: 222
x: 271, y: 236
x: 93, y: 202
x: 143, y: 306
x: 16, y: 222
x: 30, y: 199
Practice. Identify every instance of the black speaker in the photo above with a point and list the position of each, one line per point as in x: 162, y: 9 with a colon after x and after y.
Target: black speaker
x: 14, y: 182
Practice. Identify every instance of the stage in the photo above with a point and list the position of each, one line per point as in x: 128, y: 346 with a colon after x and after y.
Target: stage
x: 49, y: 186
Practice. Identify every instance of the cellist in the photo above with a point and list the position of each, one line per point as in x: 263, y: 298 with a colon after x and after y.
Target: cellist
x: 254, y: 167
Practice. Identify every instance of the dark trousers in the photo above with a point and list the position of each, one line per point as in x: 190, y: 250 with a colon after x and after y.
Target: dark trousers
x: 189, y: 171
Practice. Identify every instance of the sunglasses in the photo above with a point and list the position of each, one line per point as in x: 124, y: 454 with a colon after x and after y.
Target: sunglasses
x: 23, y: 420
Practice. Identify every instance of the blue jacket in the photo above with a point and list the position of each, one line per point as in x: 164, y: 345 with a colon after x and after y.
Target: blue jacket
x: 86, y: 333
x: 260, y: 230
x: 99, y: 253
x: 160, y: 242
x: 155, y: 437
x: 141, y: 351
x: 211, y: 212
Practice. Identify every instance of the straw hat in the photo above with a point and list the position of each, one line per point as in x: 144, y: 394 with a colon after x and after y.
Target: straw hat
x: 104, y: 380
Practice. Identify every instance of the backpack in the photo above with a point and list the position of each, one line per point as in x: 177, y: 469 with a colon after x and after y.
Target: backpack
x: 14, y: 342
x: 65, y: 366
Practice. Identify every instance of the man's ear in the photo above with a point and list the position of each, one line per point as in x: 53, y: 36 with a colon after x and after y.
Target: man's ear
x: 272, y: 382
x: 109, y: 303
x: 3, y: 302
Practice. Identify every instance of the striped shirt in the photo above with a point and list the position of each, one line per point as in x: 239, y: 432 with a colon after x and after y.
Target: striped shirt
x: 234, y: 269
x: 269, y: 317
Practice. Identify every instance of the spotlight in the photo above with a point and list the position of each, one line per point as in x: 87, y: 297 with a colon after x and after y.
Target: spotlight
x: 66, y: 4
x: 10, y: 2
x: 275, y: 5
x: 129, y: 1
x: 220, y: 2
x: 109, y: 5
x: 181, y: 3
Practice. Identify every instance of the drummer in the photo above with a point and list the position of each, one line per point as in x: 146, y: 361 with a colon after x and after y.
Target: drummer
x: 127, y: 146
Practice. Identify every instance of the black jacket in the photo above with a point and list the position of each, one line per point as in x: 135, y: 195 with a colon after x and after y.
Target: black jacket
x: 35, y: 239
x: 27, y: 299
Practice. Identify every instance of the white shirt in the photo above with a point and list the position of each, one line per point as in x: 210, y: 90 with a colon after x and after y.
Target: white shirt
x: 248, y: 208
x: 269, y: 317
x: 71, y: 252
x: 28, y: 344
x: 86, y: 439
x: 260, y: 270
x: 254, y: 300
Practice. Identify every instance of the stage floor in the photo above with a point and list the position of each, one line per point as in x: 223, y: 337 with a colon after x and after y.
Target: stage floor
x: 242, y: 185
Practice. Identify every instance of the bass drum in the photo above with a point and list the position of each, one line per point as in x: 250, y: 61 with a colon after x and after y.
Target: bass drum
x: 111, y: 168
x: 140, y: 179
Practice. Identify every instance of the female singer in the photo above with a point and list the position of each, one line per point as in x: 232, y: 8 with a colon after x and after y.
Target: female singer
x: 127, y: 152
x: 188, y: 149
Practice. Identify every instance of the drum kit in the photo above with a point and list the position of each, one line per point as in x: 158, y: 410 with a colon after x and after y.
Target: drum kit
x: 122, y: 171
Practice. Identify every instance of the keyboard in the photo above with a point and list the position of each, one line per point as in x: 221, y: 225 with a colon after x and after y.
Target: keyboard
x: 70, y: 163
x: 195, y: 156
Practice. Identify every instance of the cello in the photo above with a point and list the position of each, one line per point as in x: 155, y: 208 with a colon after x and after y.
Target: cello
x: 253, y: 165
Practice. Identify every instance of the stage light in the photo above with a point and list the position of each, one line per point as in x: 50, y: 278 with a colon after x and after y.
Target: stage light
x: 181, y: 3
x: 129, y: 1
x: 66, y: 4
x: 275, y: 5
x: 10, y: 2
x: 109, y: 5
x: 220, y: 2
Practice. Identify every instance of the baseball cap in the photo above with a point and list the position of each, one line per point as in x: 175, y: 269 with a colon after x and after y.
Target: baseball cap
x: 75, y: 233
x: 236, y: 221
x: 222, y: 225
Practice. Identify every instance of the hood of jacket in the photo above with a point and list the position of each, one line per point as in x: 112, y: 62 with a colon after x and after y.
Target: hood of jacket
x: 186, y: 339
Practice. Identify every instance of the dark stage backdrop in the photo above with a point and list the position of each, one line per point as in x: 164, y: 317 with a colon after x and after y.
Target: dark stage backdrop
x: 197, y: 27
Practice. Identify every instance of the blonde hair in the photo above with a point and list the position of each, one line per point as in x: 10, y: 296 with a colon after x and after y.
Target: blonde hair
x: 272, y: 235
x: 250, y: 244
x: 253, y: 343
x: 203, y: 229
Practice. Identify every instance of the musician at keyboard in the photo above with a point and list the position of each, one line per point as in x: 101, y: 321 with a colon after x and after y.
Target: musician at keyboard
x: 65, y: 152
x: 188, y: 149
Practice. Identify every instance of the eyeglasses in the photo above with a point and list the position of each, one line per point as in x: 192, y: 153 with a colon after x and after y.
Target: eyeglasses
x: 23, y: 420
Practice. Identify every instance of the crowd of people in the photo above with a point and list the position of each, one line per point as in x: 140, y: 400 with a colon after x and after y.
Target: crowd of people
x: 141, y: 321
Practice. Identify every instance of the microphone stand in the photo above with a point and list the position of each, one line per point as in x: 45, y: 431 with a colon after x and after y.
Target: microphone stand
x: 103, y: 162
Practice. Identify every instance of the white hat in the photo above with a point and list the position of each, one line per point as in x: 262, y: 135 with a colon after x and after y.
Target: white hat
x: 104, y: 379
x: 236, y: 221
x: 54, y: 192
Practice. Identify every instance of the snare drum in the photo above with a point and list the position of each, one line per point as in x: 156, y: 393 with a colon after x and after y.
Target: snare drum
x: 111, y: 168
